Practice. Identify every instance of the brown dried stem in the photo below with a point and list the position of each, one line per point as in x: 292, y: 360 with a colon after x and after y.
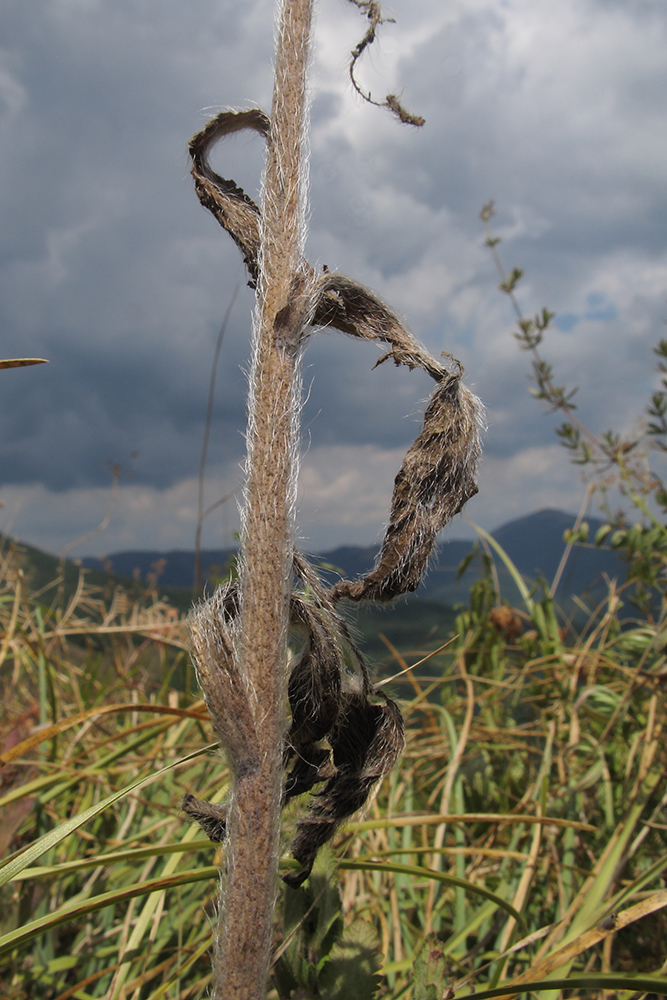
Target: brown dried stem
x: 373, y: 12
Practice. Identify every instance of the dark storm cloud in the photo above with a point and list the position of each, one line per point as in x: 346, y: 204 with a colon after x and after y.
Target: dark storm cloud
x: 110, y: 268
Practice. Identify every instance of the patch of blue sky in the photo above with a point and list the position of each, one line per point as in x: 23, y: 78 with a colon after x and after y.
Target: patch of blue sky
x: 566, y: 321
x: 600, y: 308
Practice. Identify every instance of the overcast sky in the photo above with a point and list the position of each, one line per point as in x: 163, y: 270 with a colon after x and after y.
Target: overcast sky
x: 110, y: 268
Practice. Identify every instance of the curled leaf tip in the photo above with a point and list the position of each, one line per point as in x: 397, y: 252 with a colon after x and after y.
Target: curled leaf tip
x: 373, y: 12
x: 211, y: 816
x: 437, y: 478
x: 396, y: 108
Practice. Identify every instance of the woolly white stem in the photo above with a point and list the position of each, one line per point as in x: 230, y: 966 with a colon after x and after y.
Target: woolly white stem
x: 246, y: 919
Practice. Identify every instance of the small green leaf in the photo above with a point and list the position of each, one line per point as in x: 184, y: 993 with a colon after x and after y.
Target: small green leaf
x: 602, y: 533
x: 429, y: 970
x: 510, y: 283
x: 618, y: 539
x: 353, y: 966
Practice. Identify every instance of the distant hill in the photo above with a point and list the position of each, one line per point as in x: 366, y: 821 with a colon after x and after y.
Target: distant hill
x: 174, y: 568
x: 413, y: 625
x: 41, y: 573
x: 534, y: 543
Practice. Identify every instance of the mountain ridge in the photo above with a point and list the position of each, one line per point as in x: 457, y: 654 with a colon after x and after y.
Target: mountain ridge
x: 534, y: 543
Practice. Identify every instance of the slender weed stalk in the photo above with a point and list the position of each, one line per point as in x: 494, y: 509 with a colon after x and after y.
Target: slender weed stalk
x: 610, y: 458
x: 198, y: 581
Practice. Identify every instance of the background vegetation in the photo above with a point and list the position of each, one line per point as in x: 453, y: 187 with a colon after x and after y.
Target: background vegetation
x: 520, y: 846
x: 522, y: 838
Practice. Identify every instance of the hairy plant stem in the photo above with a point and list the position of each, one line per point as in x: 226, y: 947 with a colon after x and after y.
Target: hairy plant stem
x: 246, y: 918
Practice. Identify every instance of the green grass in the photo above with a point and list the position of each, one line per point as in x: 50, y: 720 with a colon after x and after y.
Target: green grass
x: 522, y: 838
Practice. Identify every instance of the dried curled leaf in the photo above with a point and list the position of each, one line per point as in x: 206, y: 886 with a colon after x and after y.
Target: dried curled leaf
x: 314, y: 695
x: 211, y: 816
x: 227, y: 696
x: 312, y: 766
x: 438, y: 472
x: 366, y: 742
x: 315, y: 681
x: 435, y: 481
x: 336, y: 300
x: 392, y: 102
x: 339, y: 734
x: 231, y: 206
x: 353, y: 309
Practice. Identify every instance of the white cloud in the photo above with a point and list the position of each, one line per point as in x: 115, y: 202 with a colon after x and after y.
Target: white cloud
x: 142, y: 518
x: 344, y: 494
x: 344, y: 497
